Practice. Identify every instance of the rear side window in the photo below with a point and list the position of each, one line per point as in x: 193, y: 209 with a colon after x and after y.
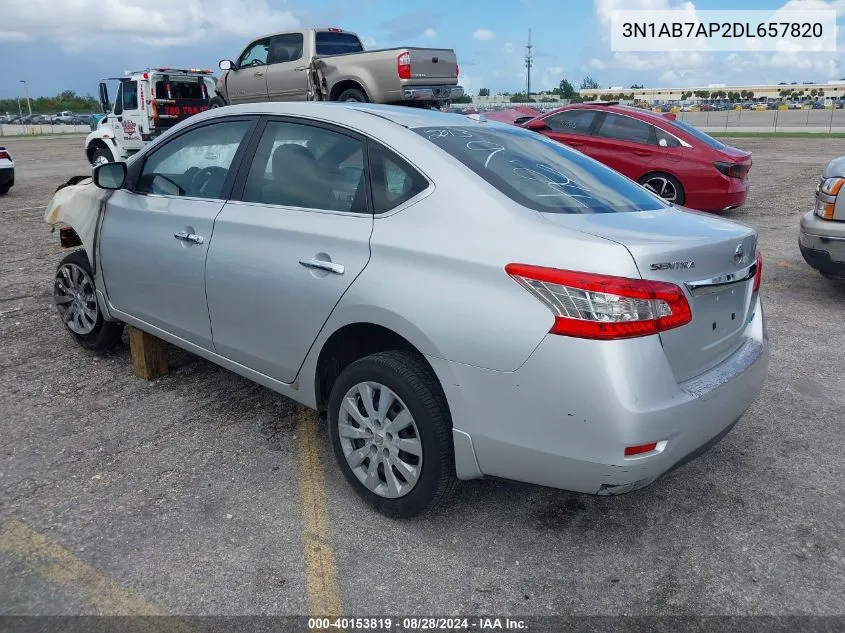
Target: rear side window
x: 331, y: 43
x: 625, y: 128
x: 571, y: 121
x: 540, y: 173
x: 701, y: 136
x: 286, y: 48
x: 394, y: 181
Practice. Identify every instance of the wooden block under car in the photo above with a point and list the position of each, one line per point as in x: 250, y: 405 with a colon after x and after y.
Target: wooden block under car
x: 149, y: 354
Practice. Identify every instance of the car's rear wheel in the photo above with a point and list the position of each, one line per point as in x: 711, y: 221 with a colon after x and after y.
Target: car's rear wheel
x: 75, y: 297
x: 392, y: 434
x: 353, y: 95
x: 666, y: 186
x: 216, y: 102
x: 4, y: 190
x: 101, y: 156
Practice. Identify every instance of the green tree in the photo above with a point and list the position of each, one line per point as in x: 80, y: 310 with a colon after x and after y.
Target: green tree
x: 565, y: 89
x: 637, y: 86
x: 589, y: 83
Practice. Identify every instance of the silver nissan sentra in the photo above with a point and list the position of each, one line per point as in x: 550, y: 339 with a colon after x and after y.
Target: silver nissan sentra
x: 461, y: 298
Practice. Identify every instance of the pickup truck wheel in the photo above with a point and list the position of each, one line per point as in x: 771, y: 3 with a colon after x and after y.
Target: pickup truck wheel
x: 75, y: 297
x: 216, y: 102
x: 355, y: 95
x: 102, y: 155
x: 4, y: 190
x: 391, y: 433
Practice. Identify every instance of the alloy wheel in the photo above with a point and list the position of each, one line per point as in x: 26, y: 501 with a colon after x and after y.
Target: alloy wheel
x: 663, y: 187
x: 73, y: 294
x: 380, y: 440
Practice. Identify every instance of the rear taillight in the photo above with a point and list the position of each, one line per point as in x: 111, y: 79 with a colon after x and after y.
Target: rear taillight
x: 403, y: 65
x: 4, y: 154
x: 603, y: 307
x: 758, y: 275
x: 457, y: 70
x: 733, y: 170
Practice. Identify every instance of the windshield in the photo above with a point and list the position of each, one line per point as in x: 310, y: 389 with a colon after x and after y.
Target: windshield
x: 540, y: 173
x: 701, y: 136
x: 331, y: 43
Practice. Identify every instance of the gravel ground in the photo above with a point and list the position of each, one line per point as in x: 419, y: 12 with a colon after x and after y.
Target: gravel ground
x: 184, y: 493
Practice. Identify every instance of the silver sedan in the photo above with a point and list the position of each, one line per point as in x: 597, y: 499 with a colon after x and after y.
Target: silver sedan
x: 462, y: 298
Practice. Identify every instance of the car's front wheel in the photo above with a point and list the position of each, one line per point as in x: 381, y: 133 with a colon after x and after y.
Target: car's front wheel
x: 75, y: 297
x: 101, y: 156
x: 392, y: 434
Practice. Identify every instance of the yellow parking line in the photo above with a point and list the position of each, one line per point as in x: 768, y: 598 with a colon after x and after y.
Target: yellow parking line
x: 54, y: 564
x: 320, y: 573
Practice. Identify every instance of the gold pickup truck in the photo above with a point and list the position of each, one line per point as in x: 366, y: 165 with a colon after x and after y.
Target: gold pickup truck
x: 331, y: 65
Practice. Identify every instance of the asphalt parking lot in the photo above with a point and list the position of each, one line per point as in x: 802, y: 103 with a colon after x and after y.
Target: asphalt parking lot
x: 202, y: 493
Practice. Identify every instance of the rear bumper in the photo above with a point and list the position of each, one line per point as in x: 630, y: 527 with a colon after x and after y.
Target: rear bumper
x: 432, y: 93
x: 729, y: 193
x: 564, y: 418
x: 822, y: 244
x: 7, y: 176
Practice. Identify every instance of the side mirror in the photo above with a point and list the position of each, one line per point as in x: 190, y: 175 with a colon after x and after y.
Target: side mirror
x: 110, y: 175
x: 536, y: 125
x: 104, y: 97
x: 226, y: 64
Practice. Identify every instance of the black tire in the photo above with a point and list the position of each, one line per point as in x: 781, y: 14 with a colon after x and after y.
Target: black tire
x: 353, y: 94
x: 4, y: 190
x: 407, y: 377
x: 104, y: 335
x: 216, y: 102
x: 680, y: 196
x: 102, y: 153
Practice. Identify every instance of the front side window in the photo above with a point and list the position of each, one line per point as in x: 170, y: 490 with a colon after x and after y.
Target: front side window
x: 255, y: 55
x: 571, y: 121
x: 298, y: 165
x: 194, y: 164
x: 130, y: 95
x: 625, y: 128
x: 287, y: 48
x: 540, y: 173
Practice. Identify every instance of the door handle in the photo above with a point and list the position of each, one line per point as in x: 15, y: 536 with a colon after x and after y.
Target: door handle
x: 642, y: 152
x: 258, y: 74
x: 300, y: 68
x: 184, y: 236
x: 320, y: 264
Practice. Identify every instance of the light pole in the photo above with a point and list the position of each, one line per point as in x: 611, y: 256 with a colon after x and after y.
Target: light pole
x: 26, y: 92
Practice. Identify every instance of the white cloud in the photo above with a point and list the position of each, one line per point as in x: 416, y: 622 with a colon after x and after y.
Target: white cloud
x: 84, y: 23
x: 484, y: 35
x: 507, y: 47
x: 431, y: 33
x: 368, y: 42
x: 605, y: 7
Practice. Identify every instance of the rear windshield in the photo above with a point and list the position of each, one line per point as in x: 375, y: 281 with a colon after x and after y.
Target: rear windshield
x: 540, y: 173
x: 701, y: 136
x: 331, y: 43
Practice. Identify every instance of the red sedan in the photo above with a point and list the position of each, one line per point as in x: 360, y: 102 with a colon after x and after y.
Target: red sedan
x: 672, y: 158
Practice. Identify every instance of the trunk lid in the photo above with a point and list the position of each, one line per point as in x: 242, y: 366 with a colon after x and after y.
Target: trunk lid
x: 699, y: 253
x: 432, y: 64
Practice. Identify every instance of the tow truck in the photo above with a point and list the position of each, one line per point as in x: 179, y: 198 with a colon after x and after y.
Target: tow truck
x: 147, y: 103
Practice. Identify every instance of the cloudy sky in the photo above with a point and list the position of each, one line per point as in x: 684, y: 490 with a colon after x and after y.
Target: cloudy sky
x: 71, y: 44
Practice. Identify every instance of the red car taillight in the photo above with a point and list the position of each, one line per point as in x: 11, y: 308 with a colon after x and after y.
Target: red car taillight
x: 733, y: 170
x: 758, y: 275
x: 403, y: 65
x: 604, y: 307
x: 4, y: 154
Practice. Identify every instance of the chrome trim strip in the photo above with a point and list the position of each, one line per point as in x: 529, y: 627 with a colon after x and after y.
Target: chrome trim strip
x: 743, y: 274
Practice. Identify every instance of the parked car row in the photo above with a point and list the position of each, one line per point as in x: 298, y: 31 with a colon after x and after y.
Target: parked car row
x: 62, y: 118
x: 7, y: 171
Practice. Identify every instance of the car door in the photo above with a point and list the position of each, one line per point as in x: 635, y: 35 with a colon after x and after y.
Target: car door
x: 572, y: 127
x: 284, y: 253
x: 287, y: 79
x: 624, y: 143
x: 155, y: 234
x: 247, y: 83
x: 126, y: 119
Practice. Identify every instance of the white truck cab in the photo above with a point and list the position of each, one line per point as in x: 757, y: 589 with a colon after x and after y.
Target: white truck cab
x: 147, y: 103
